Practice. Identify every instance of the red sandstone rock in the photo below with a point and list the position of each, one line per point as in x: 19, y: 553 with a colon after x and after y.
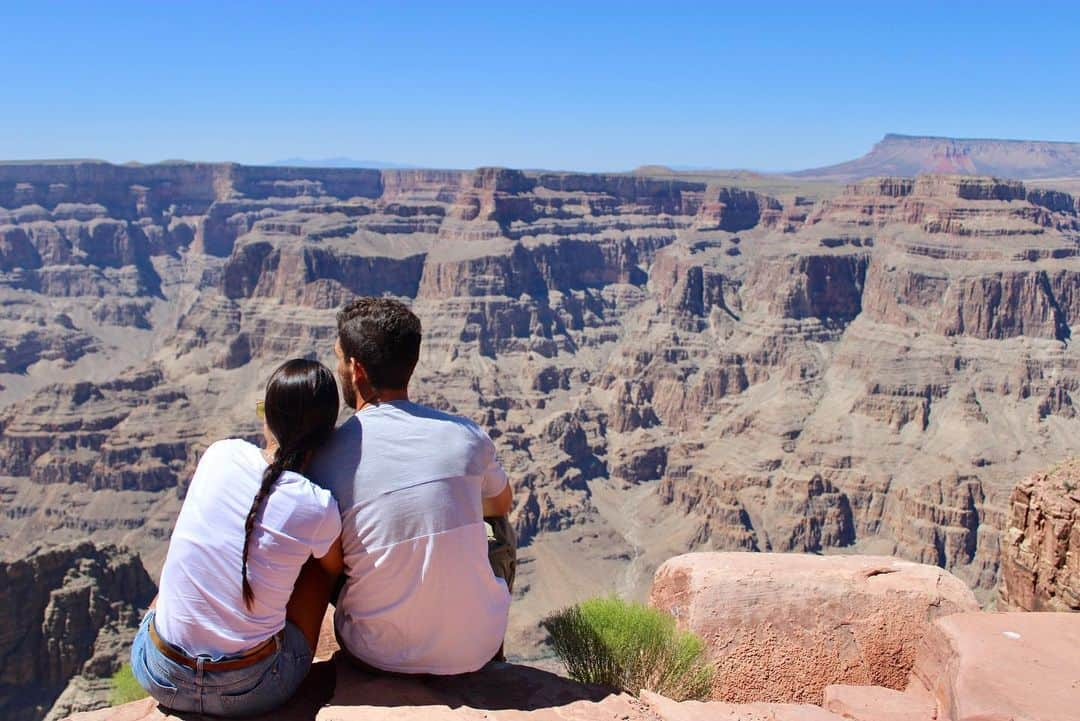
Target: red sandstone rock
x: 875, y: 703
x: 782, y: 627
x: 1040, y: 564
x: 670, y: 710
x: 327, y: 645
x: 134, y: 711
x: 1015, y: 666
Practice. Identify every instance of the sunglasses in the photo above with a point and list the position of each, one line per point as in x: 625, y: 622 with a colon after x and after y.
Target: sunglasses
x: 260, y: 410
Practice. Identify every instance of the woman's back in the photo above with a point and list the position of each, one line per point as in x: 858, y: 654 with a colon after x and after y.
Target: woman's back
x: 200, y: 605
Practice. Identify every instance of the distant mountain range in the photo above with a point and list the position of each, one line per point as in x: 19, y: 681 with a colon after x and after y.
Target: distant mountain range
x: 909, y: 155
x: 896, y: 155
x: 893, y: 155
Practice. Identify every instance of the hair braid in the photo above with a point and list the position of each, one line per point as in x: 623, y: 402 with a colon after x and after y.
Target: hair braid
x: 284, y: 460
x: 301, y: 405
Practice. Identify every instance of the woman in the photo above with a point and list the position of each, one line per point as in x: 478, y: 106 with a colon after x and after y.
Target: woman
x: 234, y: 627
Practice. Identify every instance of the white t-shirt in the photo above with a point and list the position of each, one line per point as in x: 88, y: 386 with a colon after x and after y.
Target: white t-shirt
x: 420, y: 596
x: 200, y: 605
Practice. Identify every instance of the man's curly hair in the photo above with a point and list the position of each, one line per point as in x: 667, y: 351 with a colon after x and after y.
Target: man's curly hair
x: 384, y: 336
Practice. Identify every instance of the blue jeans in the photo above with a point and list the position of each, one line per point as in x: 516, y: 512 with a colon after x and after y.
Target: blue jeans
x: 242, y: 692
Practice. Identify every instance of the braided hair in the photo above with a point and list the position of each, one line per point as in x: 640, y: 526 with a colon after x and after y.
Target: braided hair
x: 301, y: 407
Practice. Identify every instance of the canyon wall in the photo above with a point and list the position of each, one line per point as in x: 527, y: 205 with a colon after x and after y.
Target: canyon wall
x: 665, y: 365
x: 68, y: 611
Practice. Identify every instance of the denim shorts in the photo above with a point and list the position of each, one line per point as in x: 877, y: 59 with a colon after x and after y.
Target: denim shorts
x: 260, y: 687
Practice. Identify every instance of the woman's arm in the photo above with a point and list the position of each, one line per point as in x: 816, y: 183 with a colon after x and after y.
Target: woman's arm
x: 310, y: 596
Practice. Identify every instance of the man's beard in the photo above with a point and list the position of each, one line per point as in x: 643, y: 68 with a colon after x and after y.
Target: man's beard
x: 348, y: 391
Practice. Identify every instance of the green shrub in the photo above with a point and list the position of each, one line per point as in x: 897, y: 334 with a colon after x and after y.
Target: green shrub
x: 123, y: 687
x: 630, y: 646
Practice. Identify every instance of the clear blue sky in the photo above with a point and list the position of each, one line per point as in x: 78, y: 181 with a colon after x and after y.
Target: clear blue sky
x: 768, y: 86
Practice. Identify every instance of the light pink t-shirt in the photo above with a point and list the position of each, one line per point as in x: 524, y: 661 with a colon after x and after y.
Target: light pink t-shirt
x: 200, y: 605
x: 420, y: 595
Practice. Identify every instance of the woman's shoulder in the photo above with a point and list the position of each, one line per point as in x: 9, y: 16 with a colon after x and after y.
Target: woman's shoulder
x: 304, y: 490
x: 236, y: 448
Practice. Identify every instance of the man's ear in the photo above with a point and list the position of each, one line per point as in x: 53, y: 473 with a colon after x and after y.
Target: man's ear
x: 359, y: 373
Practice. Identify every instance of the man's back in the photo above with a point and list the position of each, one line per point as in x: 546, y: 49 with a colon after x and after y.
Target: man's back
x: 420, y: 596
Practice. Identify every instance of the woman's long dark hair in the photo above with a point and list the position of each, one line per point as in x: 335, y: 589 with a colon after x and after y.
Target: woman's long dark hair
x: 301, y: 410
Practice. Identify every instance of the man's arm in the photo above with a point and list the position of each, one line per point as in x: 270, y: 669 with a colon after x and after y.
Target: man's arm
x: 333, y: 563
x: 495, y: 491
x: 499, y: 505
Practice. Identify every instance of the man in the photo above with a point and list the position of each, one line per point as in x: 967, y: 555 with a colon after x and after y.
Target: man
x: 414, y: 486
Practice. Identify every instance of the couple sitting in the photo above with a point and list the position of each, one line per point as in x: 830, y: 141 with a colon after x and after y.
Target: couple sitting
x: 403, y: 518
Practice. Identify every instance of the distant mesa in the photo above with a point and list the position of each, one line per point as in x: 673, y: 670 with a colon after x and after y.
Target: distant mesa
x: 909, y: 155
x: 654, y: 170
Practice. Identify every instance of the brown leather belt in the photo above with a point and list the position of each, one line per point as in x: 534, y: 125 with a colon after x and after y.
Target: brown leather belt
x: 265, y: 649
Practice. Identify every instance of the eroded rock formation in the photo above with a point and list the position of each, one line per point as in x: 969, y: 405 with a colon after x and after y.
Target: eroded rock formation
x: 1041, y: 554
x: 68, y: 611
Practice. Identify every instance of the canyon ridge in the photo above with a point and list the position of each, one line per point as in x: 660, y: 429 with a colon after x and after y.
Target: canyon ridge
x: 666, y: 361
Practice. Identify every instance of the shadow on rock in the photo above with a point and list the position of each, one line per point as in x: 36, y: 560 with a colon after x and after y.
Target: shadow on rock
x: 497, y: 687
x: 500, y: 686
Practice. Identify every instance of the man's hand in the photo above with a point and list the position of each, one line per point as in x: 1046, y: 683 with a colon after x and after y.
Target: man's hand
x: 499, y: 505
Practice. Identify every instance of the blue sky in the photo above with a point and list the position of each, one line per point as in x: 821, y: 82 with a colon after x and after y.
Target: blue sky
x: 598, y: 86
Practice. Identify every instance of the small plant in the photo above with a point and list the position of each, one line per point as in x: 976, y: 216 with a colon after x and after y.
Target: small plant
x: 630, y: 646
x: 123, y: 688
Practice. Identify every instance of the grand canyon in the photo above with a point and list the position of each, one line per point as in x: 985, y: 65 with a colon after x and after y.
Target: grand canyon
x: 866, y: 358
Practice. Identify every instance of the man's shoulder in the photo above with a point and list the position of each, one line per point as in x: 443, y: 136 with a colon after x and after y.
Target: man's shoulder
x: 336, y: 461
x: 442, y: 419
x: 349, y: 430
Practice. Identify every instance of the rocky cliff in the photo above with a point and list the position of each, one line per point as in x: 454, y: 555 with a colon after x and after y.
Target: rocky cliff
x: 1041, y: 554
x: 67, y: 612
x: 664, y: 364
x: 912, y: 155
x: 811, y: 622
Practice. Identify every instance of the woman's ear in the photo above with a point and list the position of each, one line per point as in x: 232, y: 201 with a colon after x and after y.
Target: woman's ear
x: 268, y: 437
